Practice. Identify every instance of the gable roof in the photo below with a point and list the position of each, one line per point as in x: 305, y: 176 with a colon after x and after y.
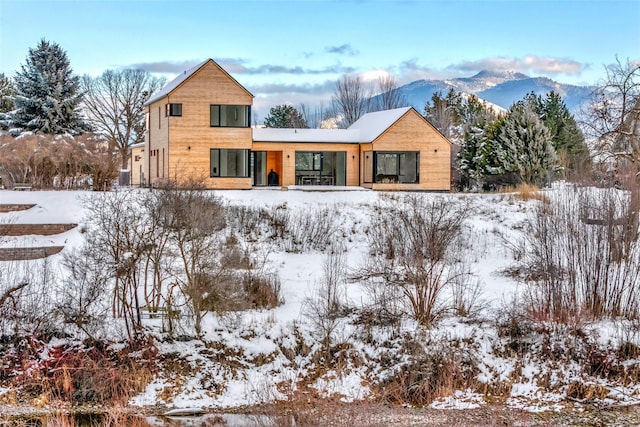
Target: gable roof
x: 173, y: 84
x: 305, y: 135
x: 372, y: 125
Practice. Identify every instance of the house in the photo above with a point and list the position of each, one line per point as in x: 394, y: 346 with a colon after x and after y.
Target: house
x: 198, y: 126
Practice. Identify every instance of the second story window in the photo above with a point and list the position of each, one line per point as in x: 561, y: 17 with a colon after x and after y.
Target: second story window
x: 175, y: 110
x: 230, y: 116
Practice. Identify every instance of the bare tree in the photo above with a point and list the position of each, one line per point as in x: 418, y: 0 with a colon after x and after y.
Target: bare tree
x: 196, y: 222
x: 351, y: 99
x: 390, y: 96
x: 315, y: 118
x: 613, y: 118
x: 114, y: 103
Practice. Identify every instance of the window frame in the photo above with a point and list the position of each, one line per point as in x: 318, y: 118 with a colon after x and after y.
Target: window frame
x: 217, y: 174
x: 219, y: 109
x: 171, y: 107
x: 398, y: 166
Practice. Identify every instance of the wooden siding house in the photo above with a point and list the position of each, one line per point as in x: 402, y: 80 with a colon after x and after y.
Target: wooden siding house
x: 199, y: 127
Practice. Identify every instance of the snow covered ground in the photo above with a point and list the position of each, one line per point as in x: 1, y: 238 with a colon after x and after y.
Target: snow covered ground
x: 260, y: 356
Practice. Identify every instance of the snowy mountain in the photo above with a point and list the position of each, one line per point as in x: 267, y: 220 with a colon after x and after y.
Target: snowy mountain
x: 502, y: 88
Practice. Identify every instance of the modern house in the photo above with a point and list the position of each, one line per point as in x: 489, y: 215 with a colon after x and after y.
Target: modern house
x: 198, y: 126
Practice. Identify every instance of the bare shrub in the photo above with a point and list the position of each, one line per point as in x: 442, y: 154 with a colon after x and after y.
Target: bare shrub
x: 26, y: 306
x: 327, y: 303
x: 96, y: 374
x: 430, y: 372
x: 278, y: 221
x: 247, y: 220
x: 411, y: 253
x: 583, y: 255
x: 526, y: 192
x: 82, y: 297
x: 310, y: 230
x: 261, y: 285
x: 514, y: 327
x: 48, y: 161
x: 466, y: 292
x: 116, y: 238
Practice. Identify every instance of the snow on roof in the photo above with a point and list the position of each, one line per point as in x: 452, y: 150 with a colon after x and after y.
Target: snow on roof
x: 371, y: 125
x: 305, y: 135
x: 365, y: 129
x: 175, y: 83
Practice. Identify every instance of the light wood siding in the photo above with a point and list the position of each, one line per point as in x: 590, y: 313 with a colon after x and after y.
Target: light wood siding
x: 413, y: 133
x: 158, y: 140
x: 365, y: 150
x: 138, y: 165
x: 191, y: 134
x: 288, y: 149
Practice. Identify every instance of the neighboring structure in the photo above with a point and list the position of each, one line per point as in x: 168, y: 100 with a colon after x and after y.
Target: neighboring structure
x: 199, y: 126
x: 137, y: 165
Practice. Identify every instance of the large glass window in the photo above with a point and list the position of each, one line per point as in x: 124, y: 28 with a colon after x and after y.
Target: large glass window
x: 230, y: 115
x: 229, y: 163
x: 397, y: 167
x: 321, y: 168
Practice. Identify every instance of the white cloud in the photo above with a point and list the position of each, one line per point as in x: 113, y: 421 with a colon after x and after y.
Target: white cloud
x: 529, y: 64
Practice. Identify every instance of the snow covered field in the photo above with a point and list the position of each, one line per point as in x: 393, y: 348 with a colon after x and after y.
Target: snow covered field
x: 260, y: 356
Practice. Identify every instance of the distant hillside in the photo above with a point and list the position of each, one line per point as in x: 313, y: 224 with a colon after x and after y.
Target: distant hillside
x: 500, y: 88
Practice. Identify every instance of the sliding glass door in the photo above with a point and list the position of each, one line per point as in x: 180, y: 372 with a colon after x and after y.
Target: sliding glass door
x: 321, y: 168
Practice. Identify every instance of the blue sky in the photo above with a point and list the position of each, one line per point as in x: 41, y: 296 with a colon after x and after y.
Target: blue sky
x: 294, y: 51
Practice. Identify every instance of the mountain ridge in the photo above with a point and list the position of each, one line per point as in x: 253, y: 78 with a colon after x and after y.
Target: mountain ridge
x: 502, y: 88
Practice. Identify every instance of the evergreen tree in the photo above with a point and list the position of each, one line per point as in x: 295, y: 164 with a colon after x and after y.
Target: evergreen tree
x: 566, y: 137
x: 285, y: 116
x: 7, y: 92
x: 524, y: 147
x: 47, y: 95
x: 477, y: 156
x: 443, y: 112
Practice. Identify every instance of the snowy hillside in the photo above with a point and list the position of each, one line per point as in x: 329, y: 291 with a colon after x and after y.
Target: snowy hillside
x: 479, y: 350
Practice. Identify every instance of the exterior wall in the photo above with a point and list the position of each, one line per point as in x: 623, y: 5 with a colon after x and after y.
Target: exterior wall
x: 366, y: 150
x: 157, y: 147
x: 138, y: 165
x: 413, y: 133
x: 288, y: 149
x: 191, y: 135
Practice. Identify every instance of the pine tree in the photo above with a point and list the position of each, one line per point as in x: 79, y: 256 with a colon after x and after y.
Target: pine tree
x: 47, y: 94
x: 477, y: 157
x: 525, y: 148
x: 7, y: 92
x: 443, y: 112
x: 285, y: 116
x: 566, y: 137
